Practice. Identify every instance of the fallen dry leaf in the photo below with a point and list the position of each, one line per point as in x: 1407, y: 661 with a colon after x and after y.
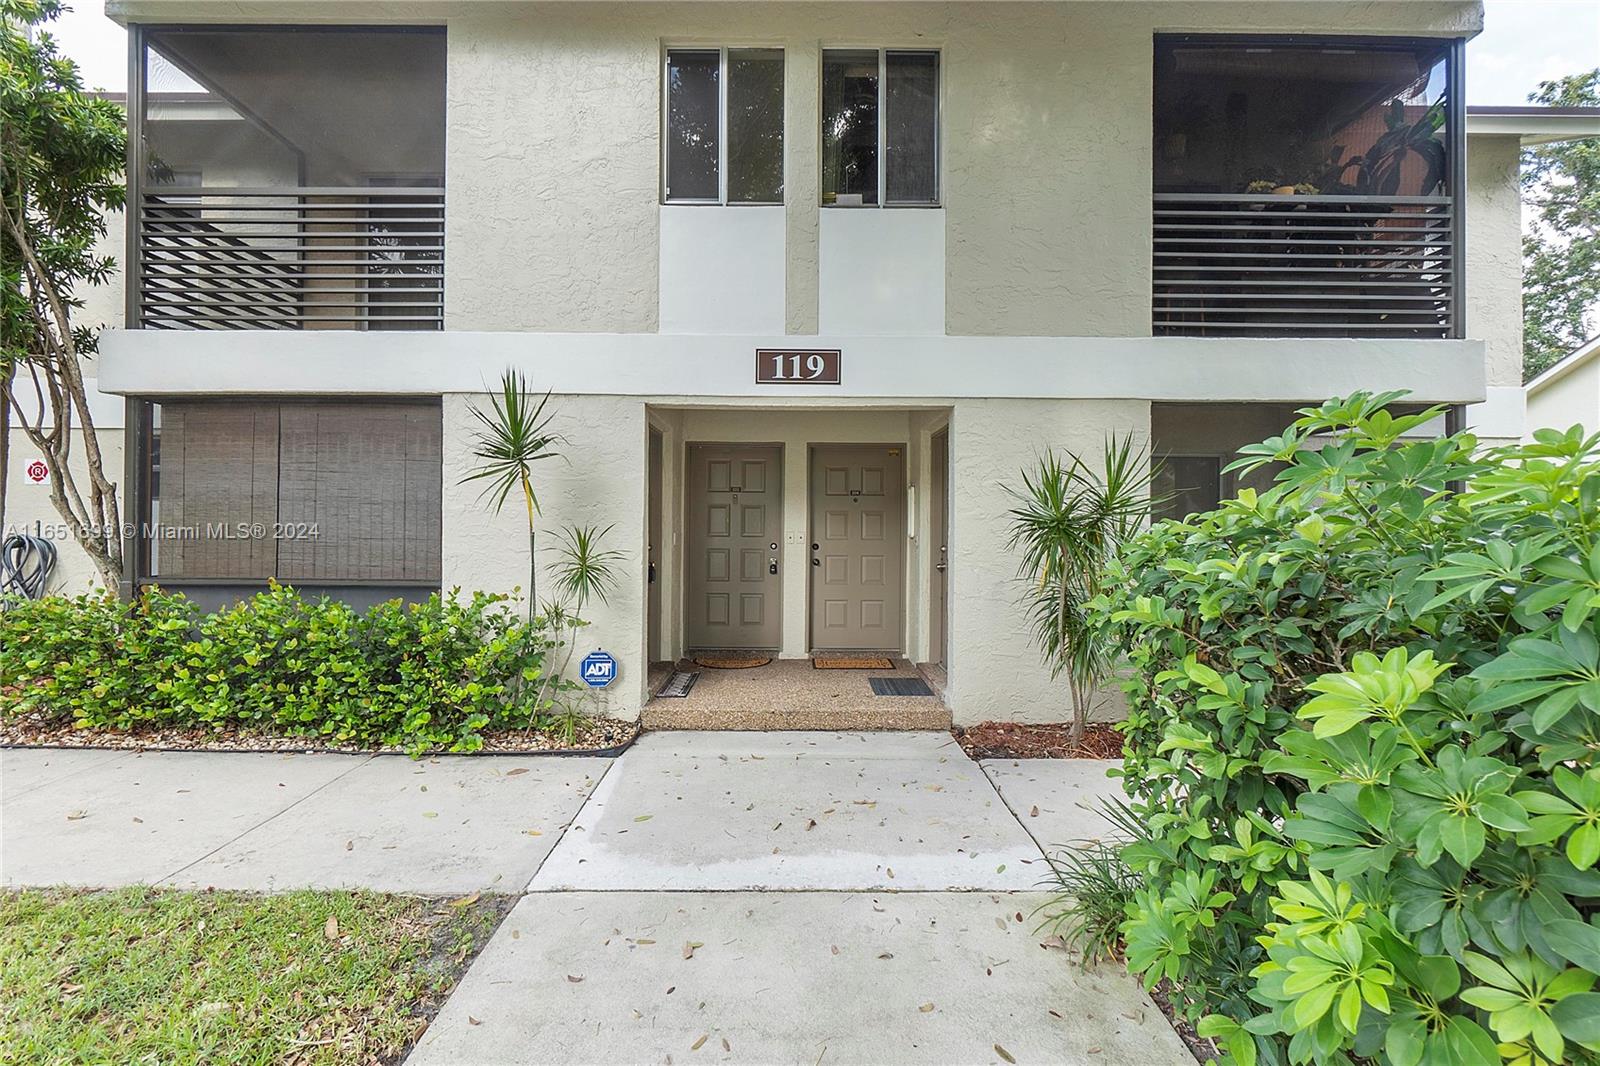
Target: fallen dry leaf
x: 725, y: 1045
x: 836, y: 949
x: 465, y: 901
x: 643, y: 940
x: 1034, y: 813
x: 516, y: 934
x: 1003, y: 1053
x: 430, y: 814
x: 518, y: 770
x: 473, y: 1021
x: 330, y: 928
x: 698, y: 1044
x: 533, y: 832
x: 886, y: 955
x: 811, y: 823
x: 925, y: 1008
x: 644, y: 817
x: 76, y: 816
x: 349, y: 845
x: 688, y: 948
x: 575, y: 979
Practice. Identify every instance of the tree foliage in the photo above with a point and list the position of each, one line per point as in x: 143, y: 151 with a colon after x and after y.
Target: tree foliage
x: 1365, y: 712
x: 61, y: 161
x: 1561, y: 251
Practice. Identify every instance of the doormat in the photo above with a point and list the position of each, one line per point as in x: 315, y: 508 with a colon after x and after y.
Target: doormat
x: 678, y: 685
x: 853, y: 662
x: 732, y: 662
x: 899, y: 686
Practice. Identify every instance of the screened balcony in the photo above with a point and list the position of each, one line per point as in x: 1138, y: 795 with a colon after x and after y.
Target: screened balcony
x: 1306, y: 188
x: 287, y: 178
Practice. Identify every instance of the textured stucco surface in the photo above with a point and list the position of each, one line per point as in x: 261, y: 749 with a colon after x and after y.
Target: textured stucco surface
x: 995, y: 672
x: 599, y: 481
x: 1494, y: 255
x: 552, y: 190
x: 28, y: 504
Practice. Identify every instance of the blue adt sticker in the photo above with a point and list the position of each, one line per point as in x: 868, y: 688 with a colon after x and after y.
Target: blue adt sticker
x: 598, y: 669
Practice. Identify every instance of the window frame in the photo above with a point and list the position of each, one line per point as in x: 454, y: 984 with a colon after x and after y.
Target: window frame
x: 722, y: 124
x: 882, y: 147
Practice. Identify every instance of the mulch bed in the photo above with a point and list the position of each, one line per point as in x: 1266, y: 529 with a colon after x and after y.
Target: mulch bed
x: 1016, y: 740
x: 1201, y: 1048
x: 32, y: 730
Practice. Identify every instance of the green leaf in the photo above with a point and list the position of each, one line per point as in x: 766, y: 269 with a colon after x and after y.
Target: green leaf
x: 1577, y: 942
x: 1578, y: 1017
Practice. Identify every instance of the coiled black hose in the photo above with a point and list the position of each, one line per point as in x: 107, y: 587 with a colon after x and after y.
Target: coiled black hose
x: 26, y: 563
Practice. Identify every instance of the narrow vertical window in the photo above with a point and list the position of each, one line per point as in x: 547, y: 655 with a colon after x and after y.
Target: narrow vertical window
x: 693, y: 125
x: 911, y: 127
x: 880, y: 127
x: 724, y: 126
x: 755, y: 125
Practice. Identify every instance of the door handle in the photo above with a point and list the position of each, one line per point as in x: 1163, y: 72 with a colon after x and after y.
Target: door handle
x: 772, y: 566
x: 652, y: 574
x: 939, y: 567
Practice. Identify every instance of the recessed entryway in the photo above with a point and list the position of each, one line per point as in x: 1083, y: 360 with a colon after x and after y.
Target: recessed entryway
x: 735, y: 522
x: 857, y: 547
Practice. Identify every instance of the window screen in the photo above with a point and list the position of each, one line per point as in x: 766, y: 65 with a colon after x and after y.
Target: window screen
x: 1186, y: 485
x: 303, y: 492
x: 755, y: 125
x: 880, y: 103
x: 693, y: 125
x: 911, y: 121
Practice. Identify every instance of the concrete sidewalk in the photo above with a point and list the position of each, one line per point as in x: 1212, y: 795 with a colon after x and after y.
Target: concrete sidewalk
x: 447, y: 825
x: 789, y: 977
x: 733, y: 897
x: 836, y: 811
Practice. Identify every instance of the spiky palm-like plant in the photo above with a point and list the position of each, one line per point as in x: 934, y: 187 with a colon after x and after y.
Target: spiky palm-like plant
x: 1068, y: 522
x: 583, y: 571
x: 512, y: 435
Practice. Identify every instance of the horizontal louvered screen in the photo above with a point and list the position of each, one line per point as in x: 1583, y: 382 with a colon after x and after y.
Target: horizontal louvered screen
x: 1319, y: 266
x: 292, y: 258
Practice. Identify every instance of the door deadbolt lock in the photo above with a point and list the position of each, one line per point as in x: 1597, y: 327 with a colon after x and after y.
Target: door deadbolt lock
x: 815, y: 546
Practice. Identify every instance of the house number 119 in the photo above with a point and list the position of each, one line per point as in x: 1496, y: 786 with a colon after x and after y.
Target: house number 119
x: 797, y: 367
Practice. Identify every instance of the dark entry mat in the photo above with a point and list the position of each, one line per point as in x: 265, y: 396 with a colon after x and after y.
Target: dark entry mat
x: 678, y: 685
x: 899, y: 686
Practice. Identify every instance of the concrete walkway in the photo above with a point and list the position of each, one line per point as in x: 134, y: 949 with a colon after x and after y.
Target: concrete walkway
x: 735, y: 897
x: 271, y: 822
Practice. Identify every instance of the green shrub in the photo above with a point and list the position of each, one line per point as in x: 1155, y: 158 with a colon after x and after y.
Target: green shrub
x: 1364, y: 714
x: 423, y: 676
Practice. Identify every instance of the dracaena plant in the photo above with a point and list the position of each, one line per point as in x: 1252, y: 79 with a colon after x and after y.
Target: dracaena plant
x: 1366, y: 702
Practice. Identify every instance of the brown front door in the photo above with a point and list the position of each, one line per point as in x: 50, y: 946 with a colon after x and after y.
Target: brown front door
x: 939, y: 506
x: 735, y: 510
x: 857, y: 547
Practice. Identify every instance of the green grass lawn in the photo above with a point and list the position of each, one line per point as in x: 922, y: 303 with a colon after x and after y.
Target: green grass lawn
x: 224, y: 977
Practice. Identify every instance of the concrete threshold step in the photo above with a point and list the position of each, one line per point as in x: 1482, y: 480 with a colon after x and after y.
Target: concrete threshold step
x: 886, y: 713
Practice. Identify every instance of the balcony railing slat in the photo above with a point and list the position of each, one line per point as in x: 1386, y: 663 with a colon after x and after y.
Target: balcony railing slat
x: 291, y: 258
x: 1330, y: 265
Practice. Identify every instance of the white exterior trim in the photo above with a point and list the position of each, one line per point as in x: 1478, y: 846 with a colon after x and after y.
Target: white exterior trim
x: 891, y: 368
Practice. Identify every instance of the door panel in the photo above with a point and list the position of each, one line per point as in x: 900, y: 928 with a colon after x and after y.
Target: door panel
x: 858, y: 544
x: 735, y: 506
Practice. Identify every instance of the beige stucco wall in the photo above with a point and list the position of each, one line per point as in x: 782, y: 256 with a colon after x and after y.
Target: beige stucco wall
x: 1494, y: 255
x: 552, y: 220
x: 995, y: 672
x: 599, y: 481
x: 1570, y: 400
x: 29, y: 510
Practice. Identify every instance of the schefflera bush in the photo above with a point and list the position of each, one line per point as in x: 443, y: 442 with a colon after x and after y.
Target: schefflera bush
x: 433, y: 675
x: 1365, y: 706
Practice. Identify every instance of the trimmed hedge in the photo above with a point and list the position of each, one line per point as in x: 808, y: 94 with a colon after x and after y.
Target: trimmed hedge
x: 1365, y: 710
x: 425, y: 676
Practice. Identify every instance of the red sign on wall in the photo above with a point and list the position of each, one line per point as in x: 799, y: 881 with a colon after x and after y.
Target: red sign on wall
x: 798, y: 366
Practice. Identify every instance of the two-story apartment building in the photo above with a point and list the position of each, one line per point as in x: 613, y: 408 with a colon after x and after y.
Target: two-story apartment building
x: 809, y: 284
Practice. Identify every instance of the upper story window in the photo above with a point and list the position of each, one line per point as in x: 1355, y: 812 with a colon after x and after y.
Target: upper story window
x: 1357, y: 117
x: 1305, y: 187
x: 880, y: 128
x: 723, y: 141
x: 287, y: 177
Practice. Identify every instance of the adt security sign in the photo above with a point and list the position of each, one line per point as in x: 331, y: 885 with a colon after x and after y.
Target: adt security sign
x: 598, y: 669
